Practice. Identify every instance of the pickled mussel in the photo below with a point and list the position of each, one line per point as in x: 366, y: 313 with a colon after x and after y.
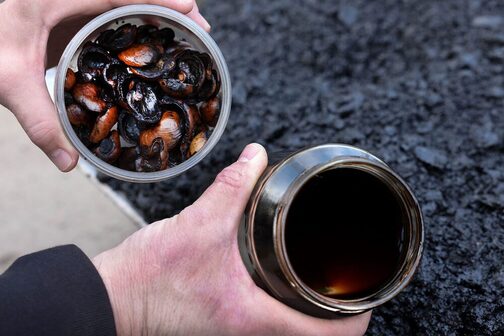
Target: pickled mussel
x: 187, y: 77
x: 118, y: 39
x: 143, y: 103
x: 142, y: 100
x: 168, y: 129
x: 78, y: 115
x: 210, y: 111
x: 140, y: 55
x: 103, y: 125
x: 163, y: 37
x: 128, y: 158
x: 89, y: 96
x: 210, y: 88
x: 109, y: 148
x: 190, y: 116
x: 164, y: 65
x: 128, y: 127
x: 70, y: 80
x: 125, y: 83
x: 145, y: 33
x: 112, y: 74
x: 198, y: 142
x: 92, y: 60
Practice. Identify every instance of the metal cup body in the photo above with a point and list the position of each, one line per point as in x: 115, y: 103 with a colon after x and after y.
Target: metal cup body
x: 261, y: 234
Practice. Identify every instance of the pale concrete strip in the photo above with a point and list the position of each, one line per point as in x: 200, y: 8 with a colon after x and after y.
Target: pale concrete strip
x: 41, y: 207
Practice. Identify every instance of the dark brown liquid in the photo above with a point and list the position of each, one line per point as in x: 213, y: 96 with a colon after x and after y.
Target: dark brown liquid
x: 344, y: 234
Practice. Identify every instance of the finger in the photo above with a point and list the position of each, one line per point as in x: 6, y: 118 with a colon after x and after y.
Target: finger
x: 36, y: 113
x: 225, y: 200
x: 59, y: 10
x: 196, y: 16
x: 283, y: 320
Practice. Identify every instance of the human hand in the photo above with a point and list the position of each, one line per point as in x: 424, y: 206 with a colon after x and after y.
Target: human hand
x: 24, y: 33
x: 184, y: 275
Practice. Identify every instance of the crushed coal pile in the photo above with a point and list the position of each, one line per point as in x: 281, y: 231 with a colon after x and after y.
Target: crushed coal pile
x: 418, y: 83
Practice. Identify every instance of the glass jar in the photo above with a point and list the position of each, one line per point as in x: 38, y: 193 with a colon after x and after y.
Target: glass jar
x: 162, y: 17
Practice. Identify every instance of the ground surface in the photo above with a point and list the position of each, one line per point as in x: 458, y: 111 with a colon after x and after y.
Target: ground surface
x: 41, y: 207
x: 420, y: 84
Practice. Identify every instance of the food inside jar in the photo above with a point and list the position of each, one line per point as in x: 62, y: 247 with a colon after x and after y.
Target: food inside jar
x: 142, y: 100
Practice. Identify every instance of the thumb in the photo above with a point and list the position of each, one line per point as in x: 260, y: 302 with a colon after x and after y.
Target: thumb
x: 225, y: 200
x: 36, y: 113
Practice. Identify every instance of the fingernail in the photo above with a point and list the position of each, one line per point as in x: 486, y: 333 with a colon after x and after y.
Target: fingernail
x: 250, y: 152
x: 61, y: 159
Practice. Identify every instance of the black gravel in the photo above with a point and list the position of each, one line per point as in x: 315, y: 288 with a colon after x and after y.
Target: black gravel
x: 420, y: 84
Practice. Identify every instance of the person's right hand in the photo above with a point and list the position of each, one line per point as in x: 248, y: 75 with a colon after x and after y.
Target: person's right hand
x: 24, y: 31
x: 184, y: 275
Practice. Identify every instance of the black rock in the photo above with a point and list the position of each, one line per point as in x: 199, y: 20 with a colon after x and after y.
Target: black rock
x: 488, y: 21
x: 495, y: 92
x: 348, y: 13
x: 433, y: 157
x: 434, y: 195
x: 469, y: 60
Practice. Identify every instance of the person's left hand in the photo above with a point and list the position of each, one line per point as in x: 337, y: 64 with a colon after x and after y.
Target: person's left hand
x: 24, y: 32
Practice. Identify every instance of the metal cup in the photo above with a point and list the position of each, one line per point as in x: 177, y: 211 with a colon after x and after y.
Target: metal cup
x: 262, y: 233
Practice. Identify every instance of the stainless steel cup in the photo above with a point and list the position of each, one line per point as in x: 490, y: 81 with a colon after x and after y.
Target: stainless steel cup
x: 262, y: 238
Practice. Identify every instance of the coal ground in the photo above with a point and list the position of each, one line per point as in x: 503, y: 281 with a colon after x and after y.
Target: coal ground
x: 418, y: 83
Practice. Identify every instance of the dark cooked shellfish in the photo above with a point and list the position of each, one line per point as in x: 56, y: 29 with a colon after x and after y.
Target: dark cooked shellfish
x: 118, y: 39
x: 142, y: 101
x: 109, y: 148
x: 138, y: 86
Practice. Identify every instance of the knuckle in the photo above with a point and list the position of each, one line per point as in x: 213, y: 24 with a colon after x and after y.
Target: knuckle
x: 231, y: 177
x: 42, y: 134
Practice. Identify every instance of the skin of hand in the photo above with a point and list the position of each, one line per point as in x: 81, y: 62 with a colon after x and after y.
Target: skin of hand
x: 24, y: 33
x: 184, y: 275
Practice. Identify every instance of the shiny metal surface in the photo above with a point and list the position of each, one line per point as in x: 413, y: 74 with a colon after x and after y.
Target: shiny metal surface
x: 261, y: 235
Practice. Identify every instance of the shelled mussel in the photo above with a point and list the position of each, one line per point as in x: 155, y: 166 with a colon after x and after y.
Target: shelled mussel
x: 142, y: 100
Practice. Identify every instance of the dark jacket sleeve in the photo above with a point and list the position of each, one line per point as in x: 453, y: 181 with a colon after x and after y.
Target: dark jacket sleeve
x: 54, y: 292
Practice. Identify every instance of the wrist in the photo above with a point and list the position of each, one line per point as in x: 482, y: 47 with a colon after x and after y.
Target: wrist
x: 116, y: 294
